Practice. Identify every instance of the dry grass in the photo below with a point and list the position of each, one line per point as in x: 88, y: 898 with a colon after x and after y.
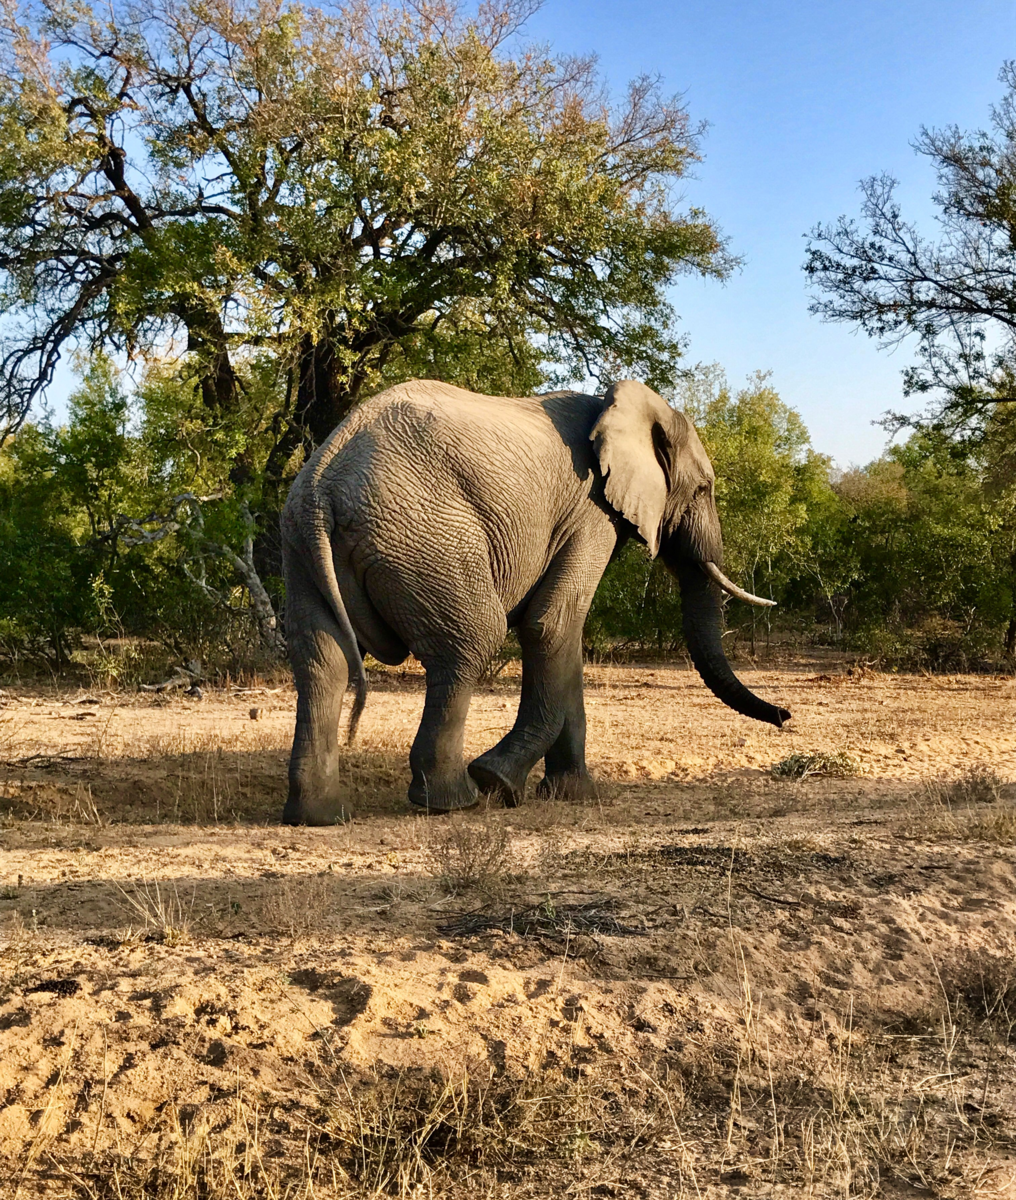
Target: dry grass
x: 973, y: 805
x: 549, y: 920
x: 300, y: 907
x: 712, y: 983
x: 977, y: 784
x: 156, y: 914
x: 842, y: 1121
x: 983, y: 982
x: 836, y: 764
x: 171, y: 758
x: 392, y: 1136
x: 467, y: 852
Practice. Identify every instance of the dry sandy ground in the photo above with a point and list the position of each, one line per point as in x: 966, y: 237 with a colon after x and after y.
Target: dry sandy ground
x: 710, y: 983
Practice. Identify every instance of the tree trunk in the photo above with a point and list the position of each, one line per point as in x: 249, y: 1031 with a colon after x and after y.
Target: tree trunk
x: 206, y: 340
x: 326, y: 394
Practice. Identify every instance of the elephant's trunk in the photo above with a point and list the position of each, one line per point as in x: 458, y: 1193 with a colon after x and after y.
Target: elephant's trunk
x: 701, y: 609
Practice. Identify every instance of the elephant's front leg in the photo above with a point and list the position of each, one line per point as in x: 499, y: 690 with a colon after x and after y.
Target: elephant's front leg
x: 440, y: 783
x: 551, y: 724
x: 551, y: 721
x: 565, y: 774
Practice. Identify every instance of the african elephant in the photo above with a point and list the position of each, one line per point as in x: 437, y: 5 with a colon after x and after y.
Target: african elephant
x: 433, y: 520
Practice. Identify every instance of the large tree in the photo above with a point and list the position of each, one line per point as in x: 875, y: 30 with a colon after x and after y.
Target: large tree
x: 358, y: 193
x: 956, y: 293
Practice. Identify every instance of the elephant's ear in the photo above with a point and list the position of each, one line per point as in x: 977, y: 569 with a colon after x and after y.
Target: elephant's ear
x: 637, y: 439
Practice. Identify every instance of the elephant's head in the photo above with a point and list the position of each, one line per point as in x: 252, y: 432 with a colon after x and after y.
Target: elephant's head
x: 658, y: 476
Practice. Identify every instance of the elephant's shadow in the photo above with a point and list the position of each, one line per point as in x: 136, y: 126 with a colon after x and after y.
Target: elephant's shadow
x: 205, y: 788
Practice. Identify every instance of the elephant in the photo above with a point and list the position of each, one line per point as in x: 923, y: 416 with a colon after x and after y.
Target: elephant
x: 434, y: 519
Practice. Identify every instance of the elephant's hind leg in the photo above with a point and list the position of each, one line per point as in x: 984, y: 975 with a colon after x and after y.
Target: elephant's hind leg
x: 440, y: 783
x: 320, y: 672
x: 450, y: 616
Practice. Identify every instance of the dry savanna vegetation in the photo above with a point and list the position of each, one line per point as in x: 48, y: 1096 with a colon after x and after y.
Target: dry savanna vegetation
x: 765, y: 963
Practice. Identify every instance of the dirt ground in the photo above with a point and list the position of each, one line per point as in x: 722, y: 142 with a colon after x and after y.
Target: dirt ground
x: 712, y: 982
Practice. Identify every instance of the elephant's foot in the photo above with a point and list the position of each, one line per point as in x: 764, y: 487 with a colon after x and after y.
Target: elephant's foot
x: 317, y: 795
x: 567, y: 785
x: 496, y: 779
x: 444, y: 796
x: 307, y: 807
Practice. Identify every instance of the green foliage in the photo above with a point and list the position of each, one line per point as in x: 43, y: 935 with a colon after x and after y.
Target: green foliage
x: 930, y: 534
x: 60, y: 490
x: 955, y: 295
x: 92, y: 537
x: 637, y: 603
x: 362, y: 194
x: 935, y: 580
x: 44, y: 597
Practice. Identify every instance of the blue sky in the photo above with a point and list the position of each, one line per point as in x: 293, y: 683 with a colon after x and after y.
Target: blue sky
x: 803, y: 100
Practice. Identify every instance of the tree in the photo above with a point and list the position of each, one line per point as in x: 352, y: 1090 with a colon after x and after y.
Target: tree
x: 358, y: 194
x: 956, y: 294
x: 934, y: 582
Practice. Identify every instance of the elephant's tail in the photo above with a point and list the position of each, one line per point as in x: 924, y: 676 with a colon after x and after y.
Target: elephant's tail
x: 324, y: 568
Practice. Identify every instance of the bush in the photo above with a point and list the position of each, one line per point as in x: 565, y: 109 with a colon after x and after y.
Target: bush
x: 94, y: 538
x: 835, y: 765
x: 637, y: 603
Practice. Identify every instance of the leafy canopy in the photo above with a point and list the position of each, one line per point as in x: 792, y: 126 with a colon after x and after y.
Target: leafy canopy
x: 362, y: 193
x: 956, y: 293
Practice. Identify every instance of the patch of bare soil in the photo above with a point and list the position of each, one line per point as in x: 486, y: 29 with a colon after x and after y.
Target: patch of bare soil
x: 711, y: 983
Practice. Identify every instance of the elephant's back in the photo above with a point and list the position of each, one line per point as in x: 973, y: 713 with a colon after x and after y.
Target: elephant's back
x: 434, y: 434
x: 454, y: 470
x: 425, y: 415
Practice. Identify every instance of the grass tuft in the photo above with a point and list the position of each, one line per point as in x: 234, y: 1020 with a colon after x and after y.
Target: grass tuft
x: 162, y: 917
x: 985, y: 982
x: 978, y: 784
x: 837, y: 764
x: 971, y: 806
x: 472, y: 854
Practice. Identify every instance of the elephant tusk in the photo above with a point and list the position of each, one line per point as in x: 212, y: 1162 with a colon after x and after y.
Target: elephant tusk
x: 717, y: 576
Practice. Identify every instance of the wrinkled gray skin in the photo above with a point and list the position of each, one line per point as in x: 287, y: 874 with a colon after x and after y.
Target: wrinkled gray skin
x: 433, y: 520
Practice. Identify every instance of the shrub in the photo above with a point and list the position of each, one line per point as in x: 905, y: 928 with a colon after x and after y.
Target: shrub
x: 835, y: 765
